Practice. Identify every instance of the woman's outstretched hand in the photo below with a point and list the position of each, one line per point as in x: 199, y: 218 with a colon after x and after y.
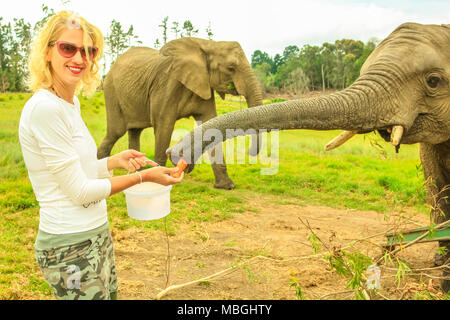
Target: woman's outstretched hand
x: 161, y: 175
x: 130, y: 160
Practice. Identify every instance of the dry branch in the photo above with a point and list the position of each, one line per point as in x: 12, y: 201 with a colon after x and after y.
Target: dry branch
x: 215, y: 275
x: 334, y: 294
x: 178, y: 286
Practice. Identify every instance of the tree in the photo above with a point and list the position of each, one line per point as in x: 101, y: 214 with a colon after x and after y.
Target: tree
x: 371, y: 44
x: 209, y: 31
x: 311, y: 64
x: 48, y: 12
x: 163, y: 25
x: 333, y: 65
x: 297, y: 82
x: 175, y: 28
x: 328, y: 53
x: 347, y: 52
x: 277, y: 61
x: 117, y: 40
x: 368, y: 48
x: 5, y: 41
x: 285, y: 69
x: 23, y: 34
x: 6, y: 49
x: 259, y: 57
x: 290, y: 51
x: 157, y: 44
x: 19, y: 56
x: 264, y: 76
x: 350, y: 74
x: 189, y: 29
x: 15, y: 42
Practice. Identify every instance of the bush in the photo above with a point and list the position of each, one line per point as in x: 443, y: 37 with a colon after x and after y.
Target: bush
x: 297, y: 82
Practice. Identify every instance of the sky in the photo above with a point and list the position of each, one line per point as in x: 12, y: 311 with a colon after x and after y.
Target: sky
x: 266, y: 25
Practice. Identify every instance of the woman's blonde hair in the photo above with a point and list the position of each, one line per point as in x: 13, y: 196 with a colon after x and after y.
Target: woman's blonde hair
x: 40, y: 73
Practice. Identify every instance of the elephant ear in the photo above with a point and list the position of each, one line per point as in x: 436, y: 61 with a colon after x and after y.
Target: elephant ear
x: 188, y: 65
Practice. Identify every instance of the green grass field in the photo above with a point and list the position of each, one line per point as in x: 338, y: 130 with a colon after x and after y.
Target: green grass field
x: 365, y: 173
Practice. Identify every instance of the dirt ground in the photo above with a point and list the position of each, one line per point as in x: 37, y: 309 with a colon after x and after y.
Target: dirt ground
x: 268, y: 248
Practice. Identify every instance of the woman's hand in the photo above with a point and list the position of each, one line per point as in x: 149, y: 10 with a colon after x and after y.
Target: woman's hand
x: 161, y: 175
x: 130, y: 160
x: 157, y: 174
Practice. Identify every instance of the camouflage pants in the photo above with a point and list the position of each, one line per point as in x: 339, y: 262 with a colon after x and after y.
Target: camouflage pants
x: 82, y: 271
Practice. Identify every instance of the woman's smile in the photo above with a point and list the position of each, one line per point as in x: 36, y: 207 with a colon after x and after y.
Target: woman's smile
x: 75, y: 69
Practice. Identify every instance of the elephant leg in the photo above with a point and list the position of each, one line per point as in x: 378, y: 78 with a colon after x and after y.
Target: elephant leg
x: 223, y: 181
x: 134, y: 136
x: 163, y: 134
x: 219, y: 168
x: 436, y: 169
x: 115, y: 124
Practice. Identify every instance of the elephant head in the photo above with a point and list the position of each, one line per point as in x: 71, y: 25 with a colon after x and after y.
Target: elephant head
x: 403, y: 91
x: 206, y: 65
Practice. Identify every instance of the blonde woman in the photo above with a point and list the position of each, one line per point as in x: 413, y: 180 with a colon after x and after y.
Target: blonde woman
x: 73, y: 247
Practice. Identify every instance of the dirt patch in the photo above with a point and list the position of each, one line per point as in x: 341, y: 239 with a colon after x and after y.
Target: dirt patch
x: 275, y: 245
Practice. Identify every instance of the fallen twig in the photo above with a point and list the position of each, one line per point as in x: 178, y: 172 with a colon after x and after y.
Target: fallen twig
x: 379, y: 294
x: 178, y: 286
x: 368, y: 237
x: 215, y: 275
x: 334, y: 294
x: 422, y: 269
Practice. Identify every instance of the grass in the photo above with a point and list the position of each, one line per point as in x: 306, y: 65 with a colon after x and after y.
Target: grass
x: 364, y: 174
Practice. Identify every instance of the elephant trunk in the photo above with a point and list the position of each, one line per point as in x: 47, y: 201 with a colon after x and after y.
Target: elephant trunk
x: 360, y: 108
x: 253, y: 96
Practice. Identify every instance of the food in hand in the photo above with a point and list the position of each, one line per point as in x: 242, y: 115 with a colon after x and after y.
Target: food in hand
x: 181, y: 165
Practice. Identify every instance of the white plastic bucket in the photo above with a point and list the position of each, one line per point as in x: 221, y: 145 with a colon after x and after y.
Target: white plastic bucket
x: 148, y: 201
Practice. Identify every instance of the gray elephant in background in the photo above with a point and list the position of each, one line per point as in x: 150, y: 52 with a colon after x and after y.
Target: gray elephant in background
x: 403, y: 92
x: 150, y: 88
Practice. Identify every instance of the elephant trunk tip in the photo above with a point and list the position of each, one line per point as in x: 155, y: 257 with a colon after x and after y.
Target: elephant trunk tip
x: 175, y: 158
x: 172, y: 156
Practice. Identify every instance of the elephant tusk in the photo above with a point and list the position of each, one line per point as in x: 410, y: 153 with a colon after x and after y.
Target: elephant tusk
x: 396, y: 135
x: 340, y: 139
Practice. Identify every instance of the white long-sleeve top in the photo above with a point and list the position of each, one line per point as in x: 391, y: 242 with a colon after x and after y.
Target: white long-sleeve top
x: 61, y: 158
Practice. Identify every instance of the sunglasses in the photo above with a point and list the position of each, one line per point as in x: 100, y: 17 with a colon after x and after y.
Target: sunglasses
x: 68, y: 50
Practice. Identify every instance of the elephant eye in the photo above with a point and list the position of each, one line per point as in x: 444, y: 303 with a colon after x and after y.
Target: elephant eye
x: 433, y: 81
x: 231, y: 69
